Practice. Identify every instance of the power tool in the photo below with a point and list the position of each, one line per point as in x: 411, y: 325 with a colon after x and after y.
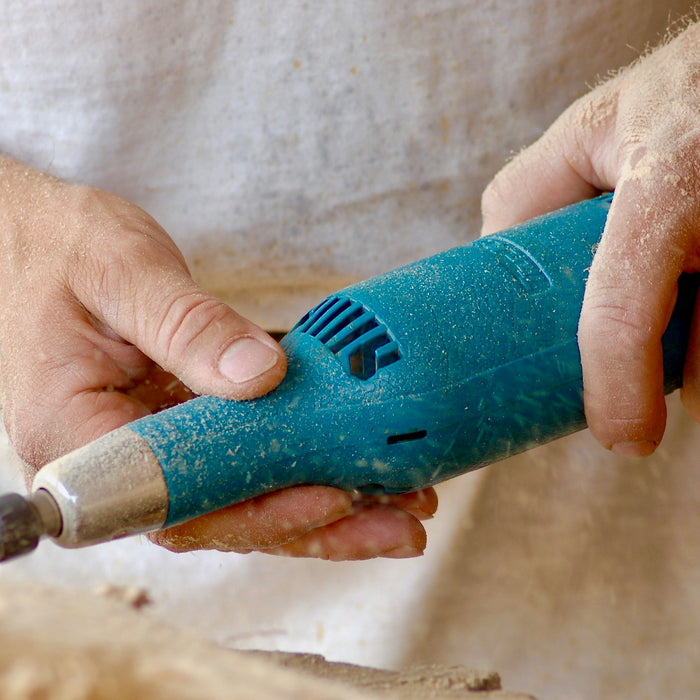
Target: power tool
x: 396, y: 383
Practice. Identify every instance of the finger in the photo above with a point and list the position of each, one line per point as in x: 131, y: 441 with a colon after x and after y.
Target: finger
x: 159, y: 390
x: 71, y: 395
x: 421, y: 504
x: 570, y: 162
x: 138, y: 285
x: 371, y: 531
x: 202, y: 341
x: 260, y: 523
x: 42, y: 432
x: 629, y: 297
x: 140, y: 377
x: 85, y: 383
x: 690, y: 391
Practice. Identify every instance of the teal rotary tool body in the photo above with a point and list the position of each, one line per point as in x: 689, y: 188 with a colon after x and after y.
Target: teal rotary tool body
x: 396, y: 383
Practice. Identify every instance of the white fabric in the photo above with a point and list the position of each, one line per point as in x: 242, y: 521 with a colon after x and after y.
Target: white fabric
x: 298, y: 146
x: 291, y: 148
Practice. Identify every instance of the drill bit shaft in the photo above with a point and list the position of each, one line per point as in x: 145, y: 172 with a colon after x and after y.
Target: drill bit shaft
x: 24, y: 521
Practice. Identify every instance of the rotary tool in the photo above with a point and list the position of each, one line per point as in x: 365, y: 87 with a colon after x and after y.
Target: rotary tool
x: 395, y: 383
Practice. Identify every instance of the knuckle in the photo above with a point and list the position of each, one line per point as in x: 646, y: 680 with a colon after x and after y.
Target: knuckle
x: 616, y: 325
x: 495, y: 198
x: 617, y: 338
x: 184, y: 320
x: 104, y: 212
x: 595, y: 111
x: 110, y: 232
x: 491, y: 197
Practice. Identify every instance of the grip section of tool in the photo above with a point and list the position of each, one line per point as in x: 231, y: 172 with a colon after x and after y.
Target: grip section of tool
x: 485, y: 364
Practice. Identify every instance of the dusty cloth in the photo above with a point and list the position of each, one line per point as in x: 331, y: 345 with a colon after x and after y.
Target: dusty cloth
x: 292, y: 148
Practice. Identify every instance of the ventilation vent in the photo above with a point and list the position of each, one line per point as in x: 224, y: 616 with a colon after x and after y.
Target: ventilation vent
x: 352, y: 333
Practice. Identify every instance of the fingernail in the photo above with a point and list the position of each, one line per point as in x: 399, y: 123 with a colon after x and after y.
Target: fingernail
x: 245, y: 359
x: 642, y: 448
x: 404, y: 552
x: 419, y: 514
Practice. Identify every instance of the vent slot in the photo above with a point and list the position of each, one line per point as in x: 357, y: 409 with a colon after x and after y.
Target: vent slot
x: 352, y: 333
x: 406, y: 437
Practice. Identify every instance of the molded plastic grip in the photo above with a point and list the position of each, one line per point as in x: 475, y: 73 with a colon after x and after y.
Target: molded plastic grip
x: 412, y: 377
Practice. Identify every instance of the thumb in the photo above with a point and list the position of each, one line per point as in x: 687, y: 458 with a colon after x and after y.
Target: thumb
x: 207, y: 345
x: 567, y: 164
x: 150, y: 300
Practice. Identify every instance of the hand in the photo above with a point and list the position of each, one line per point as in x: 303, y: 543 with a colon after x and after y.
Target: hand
x: 99, y: 316
x: 639, y: 134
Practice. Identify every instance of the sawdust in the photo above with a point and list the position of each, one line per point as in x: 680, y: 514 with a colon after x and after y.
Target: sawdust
x: 429, y: 680
x: 134, y: 596
x: 62, y: 645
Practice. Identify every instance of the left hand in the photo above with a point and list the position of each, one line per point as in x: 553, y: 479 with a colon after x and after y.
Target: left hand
x: 639, y: 135
x: 101, y: 323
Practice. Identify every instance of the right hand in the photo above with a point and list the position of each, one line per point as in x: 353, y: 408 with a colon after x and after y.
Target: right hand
x: 101, y: 324
x: 639, y: 135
